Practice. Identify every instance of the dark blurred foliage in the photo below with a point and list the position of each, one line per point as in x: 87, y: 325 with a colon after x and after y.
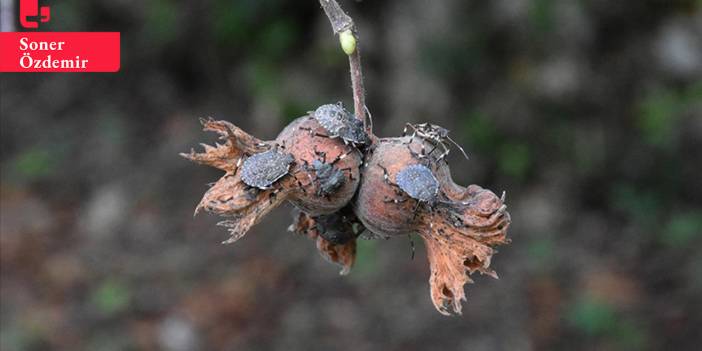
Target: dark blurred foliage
x: 588, y: 113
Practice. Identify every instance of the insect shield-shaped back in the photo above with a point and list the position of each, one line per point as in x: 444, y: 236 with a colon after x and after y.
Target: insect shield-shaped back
x: 419, y: 183
x: 340, y: 123
x: 263, y: 169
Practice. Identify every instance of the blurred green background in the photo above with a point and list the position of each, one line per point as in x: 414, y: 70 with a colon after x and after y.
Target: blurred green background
x: 587, y: 113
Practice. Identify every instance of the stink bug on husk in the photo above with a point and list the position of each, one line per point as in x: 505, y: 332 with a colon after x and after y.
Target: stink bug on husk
x: 340, y: 123
x: 419, y: 183
x: 263, y: 169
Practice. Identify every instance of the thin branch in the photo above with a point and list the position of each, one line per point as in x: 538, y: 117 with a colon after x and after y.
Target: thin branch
x: 343, y: 25
x: 359, y: 92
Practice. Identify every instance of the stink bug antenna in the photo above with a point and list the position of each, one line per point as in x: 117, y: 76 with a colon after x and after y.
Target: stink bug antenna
x: 458, y: 146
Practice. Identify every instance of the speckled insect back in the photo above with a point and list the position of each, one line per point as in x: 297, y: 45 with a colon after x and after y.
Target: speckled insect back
x: 263, y: 169
x: 340, y: 123
x: 418, y: 182
x: 331, y: 117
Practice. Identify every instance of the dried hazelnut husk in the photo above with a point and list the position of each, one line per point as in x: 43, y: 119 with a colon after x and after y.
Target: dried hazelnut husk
x: 460, y: 226
x: 304, y: 139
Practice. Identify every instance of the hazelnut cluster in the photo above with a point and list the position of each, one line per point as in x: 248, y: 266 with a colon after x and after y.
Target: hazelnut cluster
x: 346, y: 184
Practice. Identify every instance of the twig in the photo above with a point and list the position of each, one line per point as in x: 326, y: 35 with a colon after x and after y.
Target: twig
x: 343, y: 25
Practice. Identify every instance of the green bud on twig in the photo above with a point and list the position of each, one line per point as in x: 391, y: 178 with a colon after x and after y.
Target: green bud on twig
x: 348, y: 42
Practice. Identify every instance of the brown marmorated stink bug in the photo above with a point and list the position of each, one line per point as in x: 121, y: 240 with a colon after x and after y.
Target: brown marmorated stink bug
x: 340, y: 123
x: 419, y: 183
x: 263, y: 169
